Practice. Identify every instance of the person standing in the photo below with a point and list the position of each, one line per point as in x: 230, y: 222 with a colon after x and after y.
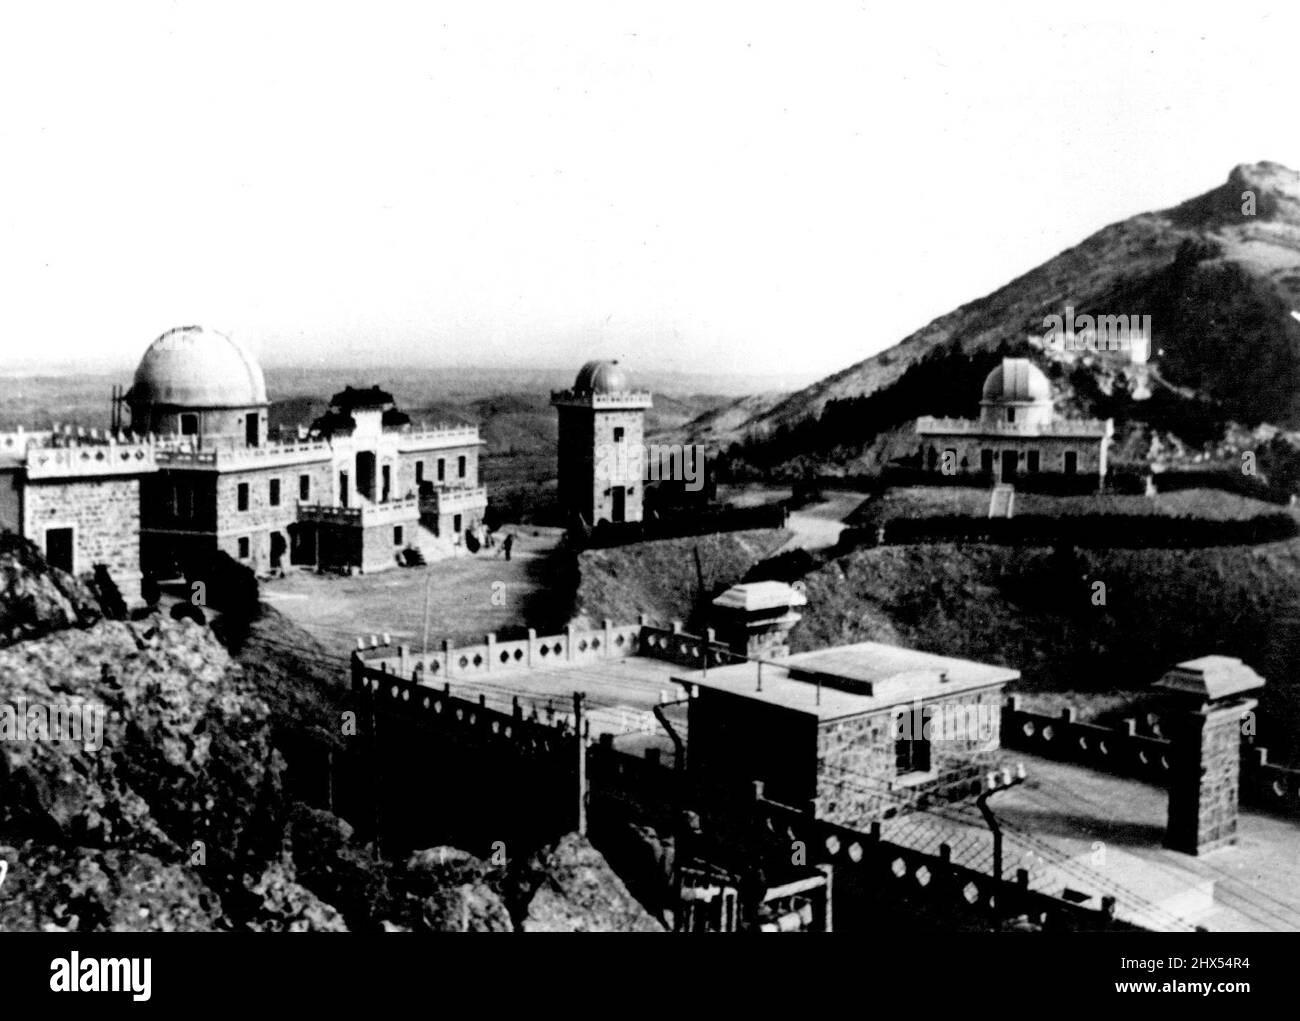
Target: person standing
x: 508, y: 544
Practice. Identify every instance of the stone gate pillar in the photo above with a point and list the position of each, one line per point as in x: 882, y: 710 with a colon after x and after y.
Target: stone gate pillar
x: 1207, y: 699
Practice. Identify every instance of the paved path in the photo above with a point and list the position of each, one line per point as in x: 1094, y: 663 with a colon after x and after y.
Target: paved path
x: 818, y: 525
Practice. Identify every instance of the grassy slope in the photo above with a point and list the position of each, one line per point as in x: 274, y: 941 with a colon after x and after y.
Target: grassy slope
x: 1032, y: 609
x: 659, y: 578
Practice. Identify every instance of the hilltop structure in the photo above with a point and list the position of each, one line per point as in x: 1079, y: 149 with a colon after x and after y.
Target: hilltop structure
x: 600, y: 414
x: 196, y: 471
x: 1016, y: 434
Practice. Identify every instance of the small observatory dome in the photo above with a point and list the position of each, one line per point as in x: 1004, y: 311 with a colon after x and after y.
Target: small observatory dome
x: 601, y: 378
x: 1017, y: 381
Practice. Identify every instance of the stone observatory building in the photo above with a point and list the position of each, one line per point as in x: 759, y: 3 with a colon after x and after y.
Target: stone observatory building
x: 600, y: 417
x: 1018, y: 432
x: 197, y: 469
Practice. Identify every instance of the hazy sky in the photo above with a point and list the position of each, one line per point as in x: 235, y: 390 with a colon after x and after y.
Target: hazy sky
x: 781, y: 188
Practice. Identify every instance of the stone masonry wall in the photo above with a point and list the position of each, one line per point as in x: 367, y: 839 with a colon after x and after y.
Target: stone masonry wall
x: 405, y: 484
x: 105, y: 517
x: 857, y: 759
x: 1051, y: 450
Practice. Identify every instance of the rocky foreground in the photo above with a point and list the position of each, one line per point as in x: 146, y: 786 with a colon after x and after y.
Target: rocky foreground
x: 177, y: 818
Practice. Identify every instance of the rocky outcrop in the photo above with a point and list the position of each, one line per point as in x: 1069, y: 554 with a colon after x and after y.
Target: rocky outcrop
x: 173, y: 761
x: 35, y: 598
x: 577, y: 891
x: 449, y: 890
x: 167, y: 809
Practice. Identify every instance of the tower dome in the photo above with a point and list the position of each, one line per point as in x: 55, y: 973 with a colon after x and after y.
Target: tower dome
x: 193, y: 367
x: 1017, y: 381
x: 1017, y: 394
x: 601, y: 378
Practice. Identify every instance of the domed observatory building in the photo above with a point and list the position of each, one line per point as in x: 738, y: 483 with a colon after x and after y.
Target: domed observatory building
x: 351, y: 494
x: 1017, y: 434
x: 201, y: 387
x: 602, y: 423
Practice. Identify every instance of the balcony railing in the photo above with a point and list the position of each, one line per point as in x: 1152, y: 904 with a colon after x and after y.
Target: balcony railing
x: 364, y: 514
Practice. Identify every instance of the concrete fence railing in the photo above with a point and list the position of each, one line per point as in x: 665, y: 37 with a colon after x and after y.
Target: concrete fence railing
x: 1124, y: 752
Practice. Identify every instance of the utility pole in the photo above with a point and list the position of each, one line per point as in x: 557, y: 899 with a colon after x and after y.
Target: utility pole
x: 582, y: 763
x: 994, y: 782
x: 424, y: 647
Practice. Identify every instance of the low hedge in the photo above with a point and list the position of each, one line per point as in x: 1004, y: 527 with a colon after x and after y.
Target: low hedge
x: 1102, y: 530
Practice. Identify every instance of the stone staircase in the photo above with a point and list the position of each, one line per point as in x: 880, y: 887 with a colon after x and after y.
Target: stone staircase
x: 1002, y: 501
x: 434, y: 547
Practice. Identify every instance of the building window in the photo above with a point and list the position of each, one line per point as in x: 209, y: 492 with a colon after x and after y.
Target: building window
x: 397, y: 535
x: 912, y: 746
x: 252, y: 430
x: 618, y: 434
x: 59, y: 546
x: 1033, y: 460
x: 1071, y: 462
x: 189, y: 425
x: 455, y: 524
x: 986, y: 462
x: 460, y: 466
x: 1011, y: 414
x: 304, y: 488
x: 419, y: 473
x: 243, y: 496
x: 243, y: 548
x: 275, y: 492
x: 442, y: 470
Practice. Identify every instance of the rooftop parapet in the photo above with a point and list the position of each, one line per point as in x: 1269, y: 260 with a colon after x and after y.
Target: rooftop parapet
x: 1085, y: 427
x: 89, y: 459
x: 630, y: 399
x: 432, y: 436
x: 180, y: 454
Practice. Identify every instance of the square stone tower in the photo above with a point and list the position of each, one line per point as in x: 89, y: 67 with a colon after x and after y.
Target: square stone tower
x: 1207, y: 697
x: 601, y: 445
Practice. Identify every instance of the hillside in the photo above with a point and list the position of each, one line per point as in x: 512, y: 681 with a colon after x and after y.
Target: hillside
x: 660, y: 578
x: 1033, y: 609
x: 1218, y: 284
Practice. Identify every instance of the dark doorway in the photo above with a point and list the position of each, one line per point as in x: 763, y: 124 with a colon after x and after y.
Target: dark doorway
x: 343, y: 489
x: 1009, y: 460
x: 1071, y: 462
x: 986, y: 462
x: 620, y: 504
x: 387, y: 475
x: 278, y: 546
x: 366, y: 474
x: 251, y: 430
x: 58, y: 548
x: 912, y: 745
